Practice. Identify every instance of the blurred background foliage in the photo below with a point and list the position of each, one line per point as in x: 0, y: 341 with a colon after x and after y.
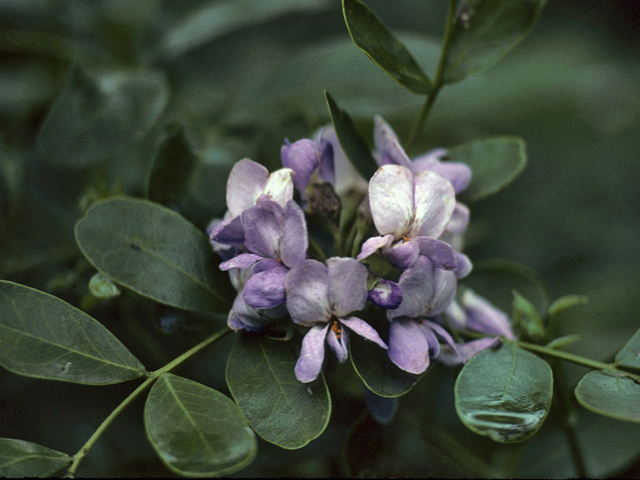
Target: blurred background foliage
x: 90, y: 90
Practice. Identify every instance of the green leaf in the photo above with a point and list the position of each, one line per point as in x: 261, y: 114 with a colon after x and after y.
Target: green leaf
x: 279, y: 408
x: 611, y: 393
x: 526, y: 320
x: 19, y: 459
x: 197, y: 431
x: 172, y: 167
x: 372, y: 37
x: 94, y: 119
x: 350, y: 140
x: 484, y: 31
x: 565, y: 302
x: 495, y: 163
x: 44, y: 337
x: 155, y: 252
x: 629, y: 355
x: 378, y: 373
x: 504, y: 394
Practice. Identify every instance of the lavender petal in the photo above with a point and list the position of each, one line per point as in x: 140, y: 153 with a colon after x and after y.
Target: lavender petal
x: 347, y: 285
x: 266, y: 289
x: 408, y: 347
x: 311, y: 357
x: 307, y: 289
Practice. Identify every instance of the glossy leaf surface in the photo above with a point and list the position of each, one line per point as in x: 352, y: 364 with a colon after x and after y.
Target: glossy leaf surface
x: 377, y: 371
x: 19, y: 459
x: 484, y: 31
x: 44, y: 337
x: 350, y: 140
x: 612, y: 393
x: 382, y: 46
x: 171, y: 168
x: 155, y: 252
x: 197, y: 431
x: 629, y: 355
x: 495, y: 163
x: 95, y: 118
x: 504, y: 394
x: 280, y: 409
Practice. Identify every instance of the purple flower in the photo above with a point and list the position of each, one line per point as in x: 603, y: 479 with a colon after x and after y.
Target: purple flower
x: 346, y: 177
x: 478, y: 314
x: 242, y: 316
x: 413, y: 342
x: 390, y: 152
x: 321, y: 297
x: 310, y: 161
x: 247, y: 183
x: 410, y: 212
x: 277, y: 239
x: 427, y: 291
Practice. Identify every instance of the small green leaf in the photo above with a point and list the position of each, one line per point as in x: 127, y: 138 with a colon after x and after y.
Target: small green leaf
x: 373, y: 38
x: 44, y: 337
x: 378, y: 373
x: 565, y: 302
x: 19, y: 459
x: 95, y: 118
x: 562, y: 342
x: 171, y: 167
x: 280, y: 409
x: 526, y: 320
x: 495, y: 163
x: 629, y: 355
x: 350, y: 140
x: 504, y: 394
x: 155, y: 252
x: 611, y: 393
x: 197, y: 431
x: 484, y: 31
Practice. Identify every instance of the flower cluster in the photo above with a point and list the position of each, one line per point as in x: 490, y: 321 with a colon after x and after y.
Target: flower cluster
x: 415, y: 231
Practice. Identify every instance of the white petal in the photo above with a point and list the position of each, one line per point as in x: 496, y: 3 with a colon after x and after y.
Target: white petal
x: 391, y: 200
x: 434, y: 204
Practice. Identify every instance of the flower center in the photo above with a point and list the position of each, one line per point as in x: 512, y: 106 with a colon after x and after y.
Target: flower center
x: 336, y: 328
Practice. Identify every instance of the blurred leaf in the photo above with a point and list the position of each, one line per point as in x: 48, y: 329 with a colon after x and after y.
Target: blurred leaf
x: 97, y: 118
x: 367, y: 443
x: 350, y: 140
x: 495, y: 162
x: 155, y: 252
x: 372, y: 37
x: 281, y: 409
x: 611, y: 393
x: 629, y: 356
x: 504, y: 394
x: 526, y: 320
x: 334, y: 65
x: 171, y: 167
x: 45, y: 337
x: 197, y: 431
x: 219, y: 18
x: 484, y: 31
x: 565, y: 302
x: 378, y: 373
x: 19, y: 459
